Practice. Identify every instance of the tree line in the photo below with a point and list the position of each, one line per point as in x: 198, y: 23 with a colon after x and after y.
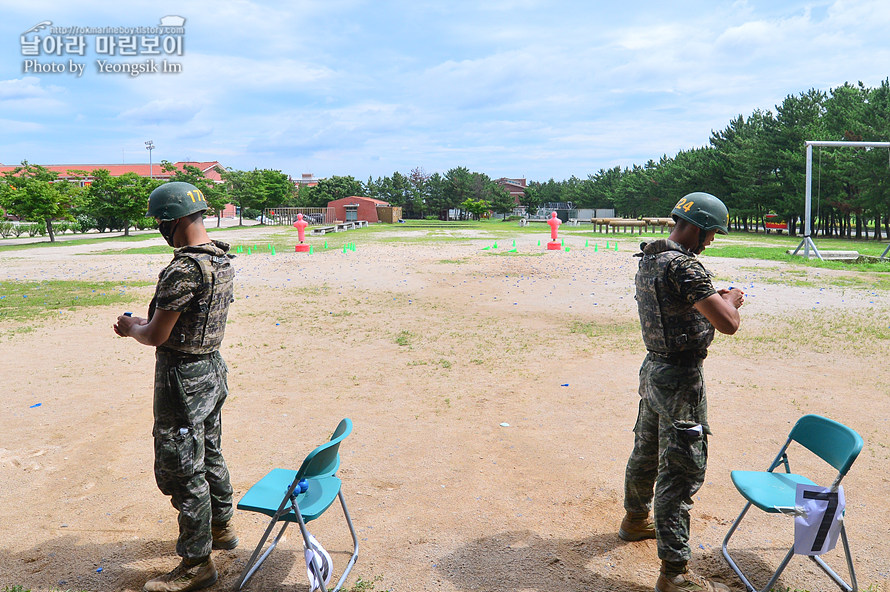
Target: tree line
x: 37, y: 194
x: 756, y: 164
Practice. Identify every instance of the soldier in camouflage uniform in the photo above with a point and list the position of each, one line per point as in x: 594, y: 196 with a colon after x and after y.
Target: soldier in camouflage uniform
x: 679, y: 311
x: 186, y: 321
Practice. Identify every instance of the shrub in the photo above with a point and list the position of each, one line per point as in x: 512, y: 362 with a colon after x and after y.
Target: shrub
x: 85, y: 222
x: 6, y: 228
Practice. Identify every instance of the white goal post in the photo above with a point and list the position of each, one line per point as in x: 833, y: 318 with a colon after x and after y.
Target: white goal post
x: 807, y: 242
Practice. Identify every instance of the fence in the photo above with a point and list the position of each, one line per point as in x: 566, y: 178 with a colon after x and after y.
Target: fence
x: 287, y: 216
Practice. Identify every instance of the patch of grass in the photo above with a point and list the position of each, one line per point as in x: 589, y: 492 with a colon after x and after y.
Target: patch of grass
x: 93, y: 240
x: 403, y: 339
x: 596, y: 330
x: 30, y: 300
x: 363, y: 585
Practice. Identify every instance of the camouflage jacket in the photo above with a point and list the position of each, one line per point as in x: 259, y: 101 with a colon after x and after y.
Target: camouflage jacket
x: 198, y: 283
x: 670, y: 280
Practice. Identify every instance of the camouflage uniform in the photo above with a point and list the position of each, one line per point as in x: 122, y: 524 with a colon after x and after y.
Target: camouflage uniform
x: 670, y: 445
x: 190, y: 389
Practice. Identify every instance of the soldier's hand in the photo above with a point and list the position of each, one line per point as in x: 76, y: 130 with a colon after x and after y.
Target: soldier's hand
x: 733, y: 295
x: 125, y: 324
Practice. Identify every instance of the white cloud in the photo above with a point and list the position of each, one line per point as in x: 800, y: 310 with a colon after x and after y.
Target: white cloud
x: 162, y: 111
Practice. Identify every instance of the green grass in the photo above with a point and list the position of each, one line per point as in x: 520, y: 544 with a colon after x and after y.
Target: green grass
x: 363, y: 585
x: 93, y: 240
x: 31, y: 300
x: 418, y: 232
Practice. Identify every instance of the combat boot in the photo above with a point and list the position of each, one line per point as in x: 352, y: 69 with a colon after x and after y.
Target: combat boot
x: 188, y: 575
x: 224, y: 536
x: 676, y: 577
x: 636, y: 526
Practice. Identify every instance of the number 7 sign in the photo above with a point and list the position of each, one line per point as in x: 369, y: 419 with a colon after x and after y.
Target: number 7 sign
x: 817, y: 529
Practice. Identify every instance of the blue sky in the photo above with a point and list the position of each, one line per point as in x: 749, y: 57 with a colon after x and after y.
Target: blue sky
x: 516, y: 88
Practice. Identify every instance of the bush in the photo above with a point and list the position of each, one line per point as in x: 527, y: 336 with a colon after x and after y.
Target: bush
x: 18, y: 229
x: 85, y: 222
x: 6, y: 228
x: 145, y: 223
x: 36, y: 228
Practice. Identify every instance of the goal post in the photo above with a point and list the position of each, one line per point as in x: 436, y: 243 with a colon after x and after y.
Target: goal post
x: 807, y: 242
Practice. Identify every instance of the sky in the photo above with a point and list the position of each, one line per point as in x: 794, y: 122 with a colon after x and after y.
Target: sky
x: 510, y: 88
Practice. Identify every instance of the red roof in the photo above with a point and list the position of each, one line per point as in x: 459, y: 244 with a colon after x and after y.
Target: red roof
x: 116, y: 170
x: 352, y: 198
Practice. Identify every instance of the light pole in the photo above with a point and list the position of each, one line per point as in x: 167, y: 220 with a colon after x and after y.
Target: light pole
x: 150, y: 145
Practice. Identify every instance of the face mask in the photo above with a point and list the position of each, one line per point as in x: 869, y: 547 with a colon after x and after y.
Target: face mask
x: 168, y: 229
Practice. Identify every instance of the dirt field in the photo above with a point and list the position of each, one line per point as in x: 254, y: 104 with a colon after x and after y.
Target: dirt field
x: 493, y: 397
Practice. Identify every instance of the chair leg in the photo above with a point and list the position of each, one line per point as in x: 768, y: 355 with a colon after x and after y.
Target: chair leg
x: 831, y: 573
x: 352, y: 559
x: 253, y: 564
x: 818, y: 560
x: 749, y: 587
x: 729, y: 560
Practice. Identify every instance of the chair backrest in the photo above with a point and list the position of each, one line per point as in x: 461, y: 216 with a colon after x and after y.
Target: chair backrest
x: 325, y: 460
x: 833, y: 442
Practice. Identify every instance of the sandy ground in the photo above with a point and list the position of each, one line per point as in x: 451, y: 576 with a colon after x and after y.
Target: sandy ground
x: 493, y: 398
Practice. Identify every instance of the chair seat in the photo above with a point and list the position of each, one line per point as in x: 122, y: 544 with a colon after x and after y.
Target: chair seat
x: 768, y: 490
x: 266, y: 495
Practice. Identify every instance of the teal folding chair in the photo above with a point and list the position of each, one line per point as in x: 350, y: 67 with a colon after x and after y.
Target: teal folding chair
x: 774, y: 492
x: 300, y: 496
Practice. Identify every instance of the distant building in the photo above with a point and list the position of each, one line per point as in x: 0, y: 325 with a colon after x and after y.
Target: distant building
x: 116, y: 170
x: 515, y: 187
x: 306, y: 180
x: 209, y: 168
x: 356, y: 207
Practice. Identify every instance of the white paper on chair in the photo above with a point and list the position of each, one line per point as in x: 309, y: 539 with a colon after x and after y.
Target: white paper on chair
x: 816, y: 531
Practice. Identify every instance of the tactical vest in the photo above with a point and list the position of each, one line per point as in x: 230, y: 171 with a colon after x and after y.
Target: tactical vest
x: 200, y: 328
x: 669, y: 323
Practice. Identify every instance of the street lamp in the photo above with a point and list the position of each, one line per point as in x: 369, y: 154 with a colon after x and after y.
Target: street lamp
x: 150, y: 145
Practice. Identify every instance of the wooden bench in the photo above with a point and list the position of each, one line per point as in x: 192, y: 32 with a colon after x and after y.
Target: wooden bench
x: 602, y: 223
x: 616, y: 224
x: 662, y: 223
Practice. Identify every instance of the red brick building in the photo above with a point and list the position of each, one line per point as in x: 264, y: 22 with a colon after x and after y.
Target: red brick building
x: 515, y: 187
x: 209, y: 168
x: 355, y: 207
x: 116, y: 170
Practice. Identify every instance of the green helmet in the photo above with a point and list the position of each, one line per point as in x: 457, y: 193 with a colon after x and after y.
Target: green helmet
x: 703, y: 210
x: 175, y: 200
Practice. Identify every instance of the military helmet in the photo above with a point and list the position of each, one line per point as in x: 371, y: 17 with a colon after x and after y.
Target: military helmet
x: 175, y: 200
x: 703, y: 210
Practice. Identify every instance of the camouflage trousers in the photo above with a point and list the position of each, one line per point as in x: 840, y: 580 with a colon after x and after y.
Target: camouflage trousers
x: 189, y: 467
x: 670, y: 454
